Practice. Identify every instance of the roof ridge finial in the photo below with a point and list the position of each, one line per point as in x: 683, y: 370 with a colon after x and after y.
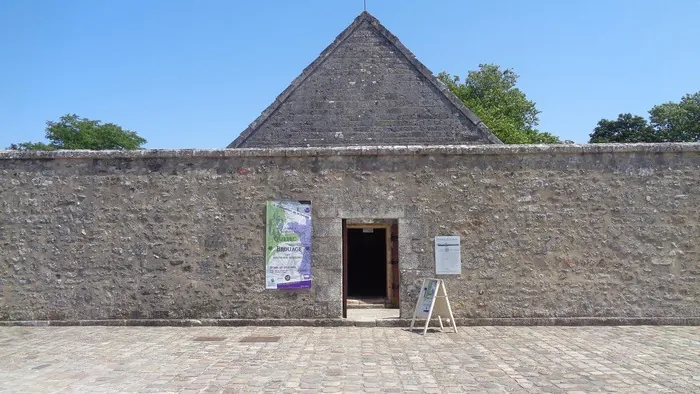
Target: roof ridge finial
x: 364, y: 3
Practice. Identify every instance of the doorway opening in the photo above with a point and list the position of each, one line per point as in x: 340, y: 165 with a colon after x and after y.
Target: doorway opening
x: 367, y: 263
x: 370, y: 265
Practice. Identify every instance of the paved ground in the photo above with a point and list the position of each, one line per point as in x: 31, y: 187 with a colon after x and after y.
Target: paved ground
x: 372, y: 314
x: 350, y: 359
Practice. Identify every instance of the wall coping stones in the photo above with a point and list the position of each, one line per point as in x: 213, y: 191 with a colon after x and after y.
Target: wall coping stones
x: 401, y: 150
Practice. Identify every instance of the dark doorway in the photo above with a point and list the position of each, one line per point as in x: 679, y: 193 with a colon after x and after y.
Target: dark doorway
x: 366, y: 262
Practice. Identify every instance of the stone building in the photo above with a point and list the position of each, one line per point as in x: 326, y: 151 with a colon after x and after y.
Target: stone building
x: 389, y: 159
x: 366, y: 88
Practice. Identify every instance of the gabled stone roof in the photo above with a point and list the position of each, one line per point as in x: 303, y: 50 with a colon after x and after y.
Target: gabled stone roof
x: 366, y: 88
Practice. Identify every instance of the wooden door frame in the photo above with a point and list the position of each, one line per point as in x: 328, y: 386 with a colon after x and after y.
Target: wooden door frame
x: 395, y: 293
x: 387, y: 254
x: 345, y: 269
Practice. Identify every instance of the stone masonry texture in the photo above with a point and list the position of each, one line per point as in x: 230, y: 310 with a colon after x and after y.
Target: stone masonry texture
x: 365, y: 89
x: 547, y: 231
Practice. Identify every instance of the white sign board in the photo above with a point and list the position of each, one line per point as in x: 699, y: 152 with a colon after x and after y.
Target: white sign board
x: 426, y: 298
x: 433, y: 300
x: 448, y: 259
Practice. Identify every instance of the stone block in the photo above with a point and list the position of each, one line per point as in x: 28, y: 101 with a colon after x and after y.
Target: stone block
x: 412, y: 228
x: 370, y: 210
x: 328, y: 285
x: 327, y: 261
x: 412, y: 261
x: 327, y: 228
x: 327, y: 245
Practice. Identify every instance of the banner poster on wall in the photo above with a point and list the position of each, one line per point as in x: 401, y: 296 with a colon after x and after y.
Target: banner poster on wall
x: 288, y: 245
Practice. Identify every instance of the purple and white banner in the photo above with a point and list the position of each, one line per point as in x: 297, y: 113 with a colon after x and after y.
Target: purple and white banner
x: 288, y: 245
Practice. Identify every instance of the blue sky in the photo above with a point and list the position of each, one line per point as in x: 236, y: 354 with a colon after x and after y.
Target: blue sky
x: 194, y: 74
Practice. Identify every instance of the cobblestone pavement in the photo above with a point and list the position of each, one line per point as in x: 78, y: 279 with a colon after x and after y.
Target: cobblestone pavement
x: 349, y: 359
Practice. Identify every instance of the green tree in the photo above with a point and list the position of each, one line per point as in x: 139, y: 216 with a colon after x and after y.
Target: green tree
x: 678, y: 122
x: 74, y: 132
x: 491, y: 94
x: 31, y: 146
x: 627, y: 128
x: 668, y: 122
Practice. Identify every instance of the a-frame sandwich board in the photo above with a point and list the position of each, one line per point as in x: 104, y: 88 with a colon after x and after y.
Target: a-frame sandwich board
x: 433, y: 300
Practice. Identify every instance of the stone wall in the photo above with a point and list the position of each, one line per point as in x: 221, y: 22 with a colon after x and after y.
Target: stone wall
x: 558, y: 231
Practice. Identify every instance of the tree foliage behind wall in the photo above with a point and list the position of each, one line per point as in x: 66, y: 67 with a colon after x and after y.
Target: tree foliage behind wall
x: 668, y: 122
x: 626, y: 128
x: 491, y: 94
x: 74, y: 132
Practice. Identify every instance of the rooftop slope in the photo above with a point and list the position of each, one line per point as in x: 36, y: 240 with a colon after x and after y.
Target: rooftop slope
x: 366, y: 88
